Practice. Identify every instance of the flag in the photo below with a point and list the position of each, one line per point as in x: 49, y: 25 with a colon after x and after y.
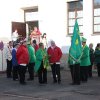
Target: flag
x: 76, y: 47
x: 45, y: 58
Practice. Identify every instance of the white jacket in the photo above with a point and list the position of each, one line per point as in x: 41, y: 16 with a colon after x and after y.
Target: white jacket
x: 8, y: 53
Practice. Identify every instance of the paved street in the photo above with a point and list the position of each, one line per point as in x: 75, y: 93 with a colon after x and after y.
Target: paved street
x: 12, y: 90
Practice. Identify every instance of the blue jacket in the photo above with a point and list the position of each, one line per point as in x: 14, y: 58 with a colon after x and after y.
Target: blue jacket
x: 14, y: 60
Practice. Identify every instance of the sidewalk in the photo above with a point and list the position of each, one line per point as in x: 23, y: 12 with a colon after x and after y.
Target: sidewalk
x: 12, y: 90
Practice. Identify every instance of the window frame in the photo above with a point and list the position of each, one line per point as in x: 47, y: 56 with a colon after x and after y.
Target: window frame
x: 95, y: 7
x: 29, y: 10
x: 73, y: 10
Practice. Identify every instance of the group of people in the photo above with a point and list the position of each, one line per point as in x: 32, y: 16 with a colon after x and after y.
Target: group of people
x: 28, y: 55
x: 82, y: 70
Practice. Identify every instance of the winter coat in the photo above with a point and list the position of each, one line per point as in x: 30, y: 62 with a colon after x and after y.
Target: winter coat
x: 41, y: 56
x: 97, y: 56
x: 14, y: 59
x: 55, y: 54
x: 91, y: 56
x: 31, y: 52
x: 8, y: 53
x: 85, y: 59
x: 22, y: 55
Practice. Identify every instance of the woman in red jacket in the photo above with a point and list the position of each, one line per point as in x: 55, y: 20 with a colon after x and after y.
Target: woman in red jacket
x: 23, y: 59
x: 55, y: 55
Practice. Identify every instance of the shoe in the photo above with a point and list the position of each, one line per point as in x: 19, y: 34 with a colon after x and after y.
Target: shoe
x: 15, y: 79
x: 29, y: 79
x: 55, y: 81
x: 9, y: 76
x: 84, y: 81
x: 23, y: 83
x: 40, y: 82
x: 90, y: 76
x: 77, y: 84
x: 44, y: 82
x: 72, y: 84
x: 59, y: 82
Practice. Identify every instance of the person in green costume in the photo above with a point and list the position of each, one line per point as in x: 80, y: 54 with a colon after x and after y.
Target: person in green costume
x: 85, y: 61
x: 41, y: 64
x: 74, y: 66
x: 32, y: 59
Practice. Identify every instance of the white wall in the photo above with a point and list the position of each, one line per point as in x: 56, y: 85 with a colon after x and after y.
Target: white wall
x: 9, y: 11
x: 53, y: 20
x: 88, y: 23
x: 28, y: 3
x: 87, y: 19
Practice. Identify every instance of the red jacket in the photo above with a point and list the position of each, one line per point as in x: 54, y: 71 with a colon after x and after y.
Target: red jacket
x: 55, y: 54
x: 22, y: 55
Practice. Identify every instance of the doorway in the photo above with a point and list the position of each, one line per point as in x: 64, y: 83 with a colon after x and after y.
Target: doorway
x: 20, y: 27
x: 31, y: 25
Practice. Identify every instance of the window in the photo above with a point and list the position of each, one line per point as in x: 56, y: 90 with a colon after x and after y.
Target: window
x: 75, y: 7
x: 31, y: 18
x: 31, y: 14
x: 96, y: 16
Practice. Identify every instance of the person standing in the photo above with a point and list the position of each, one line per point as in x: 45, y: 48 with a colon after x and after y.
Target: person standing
x: 32, y: 60
x: 40, y: 65
x: 35, y: 34
x: 44, y: 40
x: 15, y: 35
x: 36, y: 47
x: 8, y: 56
x: 91, y: 60
x: 14, y: 61
x: 23, y: 59
x: 55, y: 54
x: 97, y: 58
x: 85, y: 61
x: 74, y: 66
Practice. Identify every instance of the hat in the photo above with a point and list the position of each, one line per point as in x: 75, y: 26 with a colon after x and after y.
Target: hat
x: 84, y: 39
x: 40, y: 44
x: 34, y: 41
x: 44, y: 34
x: 52, y: 42
x: 15, y: 44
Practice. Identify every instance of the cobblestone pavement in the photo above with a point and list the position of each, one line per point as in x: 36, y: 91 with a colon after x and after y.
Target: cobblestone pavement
x: 12, y: 90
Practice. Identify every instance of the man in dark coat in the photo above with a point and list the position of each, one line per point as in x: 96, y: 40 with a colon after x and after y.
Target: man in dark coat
x: 97, y: 58
x: 91, y: 60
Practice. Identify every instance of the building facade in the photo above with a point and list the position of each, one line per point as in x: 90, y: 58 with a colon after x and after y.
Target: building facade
x: 54, y: 17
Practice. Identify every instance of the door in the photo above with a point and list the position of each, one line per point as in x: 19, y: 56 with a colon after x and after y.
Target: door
x: 31, y: 25
x: 20, y: 27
